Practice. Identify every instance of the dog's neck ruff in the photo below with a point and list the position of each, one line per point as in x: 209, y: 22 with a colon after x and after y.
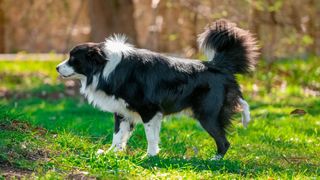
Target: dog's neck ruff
x: 115, y: 47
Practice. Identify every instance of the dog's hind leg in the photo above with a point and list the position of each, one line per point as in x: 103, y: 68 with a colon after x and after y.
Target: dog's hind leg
x: 245, y: 112
x: 152, y: 130
x: 209, y: 110
x: 123, y: 128
x: 212, y: 126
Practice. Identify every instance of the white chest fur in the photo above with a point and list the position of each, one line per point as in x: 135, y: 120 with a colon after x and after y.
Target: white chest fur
x: 106, y: 102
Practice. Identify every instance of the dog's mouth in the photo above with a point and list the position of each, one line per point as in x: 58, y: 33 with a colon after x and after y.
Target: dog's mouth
x: 67, y: 76
x: 72, y: 76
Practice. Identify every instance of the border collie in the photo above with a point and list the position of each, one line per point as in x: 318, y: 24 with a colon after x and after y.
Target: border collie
x: 141, y: 85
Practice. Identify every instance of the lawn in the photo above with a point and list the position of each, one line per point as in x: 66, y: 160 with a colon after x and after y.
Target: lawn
x: 48, y: 130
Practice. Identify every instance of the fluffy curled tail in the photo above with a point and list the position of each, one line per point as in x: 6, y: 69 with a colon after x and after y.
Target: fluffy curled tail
x: 229, y: 47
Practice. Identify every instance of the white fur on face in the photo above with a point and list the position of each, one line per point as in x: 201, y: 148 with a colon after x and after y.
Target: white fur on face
x: 115, y: 47
x: 65, y: 70
x: 245, y: 113
x: 152, y: 130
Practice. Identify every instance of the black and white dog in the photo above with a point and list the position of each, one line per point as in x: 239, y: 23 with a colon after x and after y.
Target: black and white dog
x: 140, y: 85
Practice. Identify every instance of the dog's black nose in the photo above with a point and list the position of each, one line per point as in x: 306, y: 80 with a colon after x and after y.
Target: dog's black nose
x: 57, y: 68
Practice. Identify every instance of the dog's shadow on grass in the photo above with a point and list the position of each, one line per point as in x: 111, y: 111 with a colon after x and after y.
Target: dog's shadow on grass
x: 193, y: 164
x: 197, y: 165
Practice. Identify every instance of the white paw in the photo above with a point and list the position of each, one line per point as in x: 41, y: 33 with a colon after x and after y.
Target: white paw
x: 100, y: 151
x: 244, y: 123
x: 115, y: 148
x: 148, y: 155
x: 245, y: 120
x: 217, y: 157
x: 153, y: 150
x: 151, y: 154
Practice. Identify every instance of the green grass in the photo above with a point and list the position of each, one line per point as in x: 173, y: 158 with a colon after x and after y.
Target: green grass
x: 48, y: 131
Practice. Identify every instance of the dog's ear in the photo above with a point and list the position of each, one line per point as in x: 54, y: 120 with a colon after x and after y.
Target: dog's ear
x: 97, y: 55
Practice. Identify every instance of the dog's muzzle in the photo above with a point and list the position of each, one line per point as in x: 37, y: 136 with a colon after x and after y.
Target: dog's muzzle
x: 64, y: 69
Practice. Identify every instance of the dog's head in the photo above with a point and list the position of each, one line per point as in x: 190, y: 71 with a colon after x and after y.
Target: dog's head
x: 84, y: 61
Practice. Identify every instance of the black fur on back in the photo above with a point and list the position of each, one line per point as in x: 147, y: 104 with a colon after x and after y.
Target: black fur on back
x: 150, y: 82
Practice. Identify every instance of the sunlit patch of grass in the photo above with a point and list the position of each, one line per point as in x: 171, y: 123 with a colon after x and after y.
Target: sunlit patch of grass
x: 27, y: 75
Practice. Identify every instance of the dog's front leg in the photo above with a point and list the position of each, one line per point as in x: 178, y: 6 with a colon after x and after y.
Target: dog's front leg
x: 152, y: 130
x: 122, y: 131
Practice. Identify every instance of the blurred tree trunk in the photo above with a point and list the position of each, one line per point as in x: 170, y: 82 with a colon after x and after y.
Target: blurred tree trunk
x: 312, y: 26
x: 254, y: 18
x: 146, y: 29
x: 2, y: 28
x: 111, y: 16
x: 170, y: 11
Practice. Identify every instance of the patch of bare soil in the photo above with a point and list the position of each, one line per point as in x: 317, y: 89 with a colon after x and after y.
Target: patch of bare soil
x: 9, y: 172
x: 17, y: 125
x: 80, y: 175
x: 26, y: 149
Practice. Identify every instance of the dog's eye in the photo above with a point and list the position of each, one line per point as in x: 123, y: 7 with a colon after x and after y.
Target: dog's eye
x: 71, y: 59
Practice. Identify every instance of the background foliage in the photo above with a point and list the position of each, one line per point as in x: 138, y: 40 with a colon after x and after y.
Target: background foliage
x: 284, y: 28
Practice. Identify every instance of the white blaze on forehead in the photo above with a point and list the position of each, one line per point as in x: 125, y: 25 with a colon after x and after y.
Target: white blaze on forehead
x: 115, y: 47
x: 65, y: 69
